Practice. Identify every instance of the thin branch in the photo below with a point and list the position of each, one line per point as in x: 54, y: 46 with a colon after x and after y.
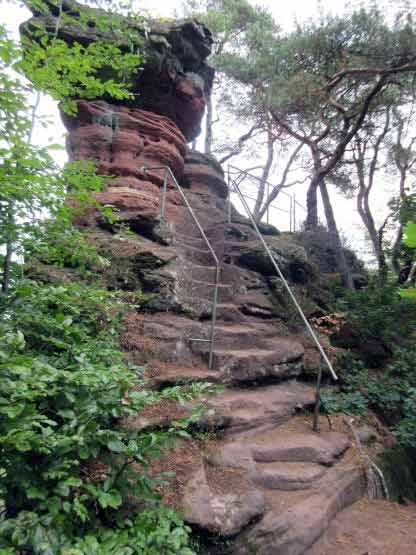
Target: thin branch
x: 276, y: 190
x: 240, y: 143
x: 338, y: 77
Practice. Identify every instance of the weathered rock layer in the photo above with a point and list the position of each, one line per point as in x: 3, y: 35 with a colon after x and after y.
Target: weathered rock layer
x: 269, y: 486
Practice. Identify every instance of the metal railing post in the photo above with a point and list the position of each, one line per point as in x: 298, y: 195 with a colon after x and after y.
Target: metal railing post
x: 285, y: 283
x: 168, y: 171
x: 213, y: 319
x: 268, y: 205
x: 294, y: 212
x: 228, y: 197
x: 317, y: 398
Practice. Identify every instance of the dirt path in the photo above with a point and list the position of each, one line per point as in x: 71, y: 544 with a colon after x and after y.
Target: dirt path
x: 370, y: 528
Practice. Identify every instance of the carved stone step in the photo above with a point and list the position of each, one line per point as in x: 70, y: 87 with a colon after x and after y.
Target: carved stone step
x: 244, y: 365
x: 279, y: 446
x: 243, y: 336
x: 291, y: 526
x: 193, y: 240
x: 166, y: 375
x: 287, y: 475
x: 227, y: 312
x: 202, y: 272
x: 256, y: 409
x: 205, y: 290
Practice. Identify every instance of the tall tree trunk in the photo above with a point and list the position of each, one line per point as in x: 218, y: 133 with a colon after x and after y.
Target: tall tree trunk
x: 345, y: 271
x: 364, y: 210
x: 312, y: 221
x: 368, y: 221
x: 376, y: 237
x: 276, y: 189
x: 399, y: 237
x: 257, y: 213
x: 208, y: 126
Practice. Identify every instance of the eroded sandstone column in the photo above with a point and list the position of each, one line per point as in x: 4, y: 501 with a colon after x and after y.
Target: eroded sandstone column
x: 153, y: 127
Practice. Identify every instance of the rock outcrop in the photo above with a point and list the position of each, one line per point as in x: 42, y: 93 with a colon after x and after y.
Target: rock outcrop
x: 174, y: 80
x: 269, y: 485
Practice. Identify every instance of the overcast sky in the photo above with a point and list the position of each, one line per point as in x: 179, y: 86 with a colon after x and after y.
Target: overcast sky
x: 285, y: 14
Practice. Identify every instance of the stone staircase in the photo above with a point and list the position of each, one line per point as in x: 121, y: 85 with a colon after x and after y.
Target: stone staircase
x: 269, y: 486
x: 264, y: 483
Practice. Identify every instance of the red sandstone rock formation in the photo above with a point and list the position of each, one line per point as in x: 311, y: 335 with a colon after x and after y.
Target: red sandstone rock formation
x: 257, y: 472
x: 123, y: 141
x: 174, y: 80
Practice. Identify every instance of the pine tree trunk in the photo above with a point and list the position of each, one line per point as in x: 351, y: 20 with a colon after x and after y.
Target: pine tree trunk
x: 399, y: 237
x: 257, y: 212
x: 312, y: 222
x: 346, y: 276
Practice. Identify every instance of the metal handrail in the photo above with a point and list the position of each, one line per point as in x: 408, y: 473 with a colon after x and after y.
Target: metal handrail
x: 292, y: 197
x: 285, y: 283
x: 256, y: 177
x: 168, y: 172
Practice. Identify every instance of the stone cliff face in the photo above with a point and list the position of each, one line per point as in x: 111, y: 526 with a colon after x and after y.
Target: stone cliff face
x: 268, y: 484
x: 174, y: 80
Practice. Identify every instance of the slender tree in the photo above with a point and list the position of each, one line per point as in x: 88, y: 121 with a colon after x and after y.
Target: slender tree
x: 321, y: 83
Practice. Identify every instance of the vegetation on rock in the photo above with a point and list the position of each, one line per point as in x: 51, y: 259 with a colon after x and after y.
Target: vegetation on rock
x: 74, y: 476
x: 70, y: 467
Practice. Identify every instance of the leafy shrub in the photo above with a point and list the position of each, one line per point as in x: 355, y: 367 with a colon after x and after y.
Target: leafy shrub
x: 349, y: 403
x: 391, y: 393
x: 410, y: 244
x: 64, y: 388
x: 67, y: 475
x: 399, y: 468
x: 152, y: 532
x: 378, y: 311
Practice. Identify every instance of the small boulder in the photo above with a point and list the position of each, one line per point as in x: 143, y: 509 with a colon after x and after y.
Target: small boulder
x: 222, y: 502
x: 289, y: 256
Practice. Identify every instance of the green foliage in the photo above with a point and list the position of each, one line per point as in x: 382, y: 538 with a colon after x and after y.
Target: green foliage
x: 83, y: 69
x: 346, y: 402
x: 64, y: 386
x: 379, y: 312
x: 65, y: 71
x: 153, y: 531
x: 71, y: 469
x: 391, y: 393
x: 32, y: 185
x: 410, y: 242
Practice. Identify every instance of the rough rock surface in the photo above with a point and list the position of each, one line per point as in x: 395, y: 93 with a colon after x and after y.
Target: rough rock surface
x: 292, y: 532
x: 373, y: 527
x: 123, y: 140
x: 265, y: 487
x: 174, y: 80
x: 223, y: 513
x: 321, y: 252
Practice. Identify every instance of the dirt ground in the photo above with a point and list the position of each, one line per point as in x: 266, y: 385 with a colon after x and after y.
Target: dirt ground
x: 370, y: 528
